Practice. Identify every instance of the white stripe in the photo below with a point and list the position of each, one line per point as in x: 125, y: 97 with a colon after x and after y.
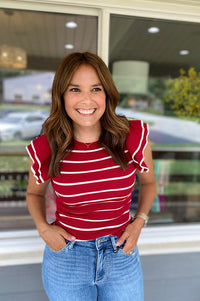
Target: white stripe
x: 86, y: 161
x: 94, y: 192
x: 139, y: 142
x: 33, y: 171
x: 142, y: 125
x: 100, y: 200
x: 90, y: 151
x: 144, y: 150
x: 93, y: 170
x: 94, y: 181
x: 115, y: 209
x: 94, y: 229
x: 86, y: 151
x: 88, y: 220
x: 93, y: 221
x: 39, y: 163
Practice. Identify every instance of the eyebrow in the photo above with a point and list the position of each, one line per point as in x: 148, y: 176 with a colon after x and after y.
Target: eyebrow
x: 74, y: 85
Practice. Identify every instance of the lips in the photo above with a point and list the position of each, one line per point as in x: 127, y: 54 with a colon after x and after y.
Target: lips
x: 86, y: 111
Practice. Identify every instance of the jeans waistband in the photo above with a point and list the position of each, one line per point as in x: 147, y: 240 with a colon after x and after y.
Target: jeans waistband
x: 97, y: 243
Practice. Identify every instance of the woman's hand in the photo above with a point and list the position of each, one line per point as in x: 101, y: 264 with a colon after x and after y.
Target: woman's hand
x: 131, y: 235
x: 55, y: 237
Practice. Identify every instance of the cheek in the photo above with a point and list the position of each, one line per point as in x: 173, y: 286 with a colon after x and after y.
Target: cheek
x: 103, y: 103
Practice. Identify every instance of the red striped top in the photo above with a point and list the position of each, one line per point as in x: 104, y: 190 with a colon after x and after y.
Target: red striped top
x: 93, y: 194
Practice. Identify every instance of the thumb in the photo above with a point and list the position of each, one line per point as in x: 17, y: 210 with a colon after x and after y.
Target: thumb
x: 122, y: 238
x: 67, y: 235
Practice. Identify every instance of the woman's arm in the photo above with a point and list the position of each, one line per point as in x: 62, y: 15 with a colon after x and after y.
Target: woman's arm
x: 147, y: 185
x: 147, y: 192
x: 53, y: 235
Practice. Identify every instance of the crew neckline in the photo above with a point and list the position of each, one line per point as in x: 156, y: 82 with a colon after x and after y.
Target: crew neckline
x: 84, y: 145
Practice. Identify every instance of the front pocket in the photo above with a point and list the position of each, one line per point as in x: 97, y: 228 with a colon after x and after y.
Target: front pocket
x: 68, y: 243
x: 126, y: 254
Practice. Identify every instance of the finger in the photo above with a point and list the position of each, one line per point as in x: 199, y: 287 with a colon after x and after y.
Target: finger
x: 129, y: 246
x: 66, y: 234
x: 122, y: 238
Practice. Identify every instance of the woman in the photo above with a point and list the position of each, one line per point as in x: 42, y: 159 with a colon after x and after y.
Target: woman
x: 91, y: 156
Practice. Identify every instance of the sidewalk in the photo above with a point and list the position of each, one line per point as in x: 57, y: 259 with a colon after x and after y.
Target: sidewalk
x: 173, y: 277
x: 170, y: 258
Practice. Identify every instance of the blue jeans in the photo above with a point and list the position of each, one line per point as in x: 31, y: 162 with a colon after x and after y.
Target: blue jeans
x: 92, y: 270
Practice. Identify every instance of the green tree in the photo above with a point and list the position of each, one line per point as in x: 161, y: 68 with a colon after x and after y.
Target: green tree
x: 183, y: 94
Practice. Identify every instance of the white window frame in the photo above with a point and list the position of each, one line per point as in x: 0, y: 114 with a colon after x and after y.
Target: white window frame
x: 176, y: 10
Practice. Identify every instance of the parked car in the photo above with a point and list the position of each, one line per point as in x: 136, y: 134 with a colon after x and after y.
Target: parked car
x: 19, y: 126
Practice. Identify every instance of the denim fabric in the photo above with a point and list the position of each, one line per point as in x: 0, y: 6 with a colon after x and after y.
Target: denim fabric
x: 92, y: 270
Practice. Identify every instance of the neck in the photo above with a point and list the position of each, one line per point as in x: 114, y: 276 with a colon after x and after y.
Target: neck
x: 87, y: 136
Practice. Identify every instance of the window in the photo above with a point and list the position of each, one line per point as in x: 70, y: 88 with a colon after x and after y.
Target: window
x: 31, y: 48
x: 155, y: 65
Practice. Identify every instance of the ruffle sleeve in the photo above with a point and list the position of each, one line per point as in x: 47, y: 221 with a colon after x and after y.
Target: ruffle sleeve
x: 136, y: 143
x: 39, y: 152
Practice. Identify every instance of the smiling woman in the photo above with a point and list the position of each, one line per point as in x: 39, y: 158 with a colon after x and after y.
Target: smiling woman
x: 91, y: 155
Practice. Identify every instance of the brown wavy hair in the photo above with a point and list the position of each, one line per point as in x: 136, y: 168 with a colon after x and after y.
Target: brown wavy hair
x: 59, y: 128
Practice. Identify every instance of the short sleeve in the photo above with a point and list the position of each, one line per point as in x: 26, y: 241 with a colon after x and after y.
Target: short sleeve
x: 136, y: 142
x: 39, y: 152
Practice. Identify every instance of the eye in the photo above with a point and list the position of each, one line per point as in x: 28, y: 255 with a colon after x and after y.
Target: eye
x: 96, y: 89
x: 74, y: 90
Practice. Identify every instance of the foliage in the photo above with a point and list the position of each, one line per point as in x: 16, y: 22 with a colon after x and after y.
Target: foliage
x: 183, y: 94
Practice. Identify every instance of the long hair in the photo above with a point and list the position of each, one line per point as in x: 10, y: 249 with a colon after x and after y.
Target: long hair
x: 59, y: 128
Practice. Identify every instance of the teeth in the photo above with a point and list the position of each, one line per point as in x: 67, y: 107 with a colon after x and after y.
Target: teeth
x: 86, y: 112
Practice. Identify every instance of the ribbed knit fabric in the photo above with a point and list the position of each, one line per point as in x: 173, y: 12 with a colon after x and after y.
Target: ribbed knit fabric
x: 93, y: 194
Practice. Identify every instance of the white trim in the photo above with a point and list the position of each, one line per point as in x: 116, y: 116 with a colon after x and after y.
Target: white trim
x: 26, y: 247
x: 170, y: 239
x: 181, y: 10
x: 103, y: 35
x: 55, y: 6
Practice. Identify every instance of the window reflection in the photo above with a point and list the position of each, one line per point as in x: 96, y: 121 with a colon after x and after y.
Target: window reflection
x: 25, y: 92
x: 155, y: 66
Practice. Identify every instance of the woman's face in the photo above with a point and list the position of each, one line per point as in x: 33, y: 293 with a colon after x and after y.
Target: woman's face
x: 85, y: 99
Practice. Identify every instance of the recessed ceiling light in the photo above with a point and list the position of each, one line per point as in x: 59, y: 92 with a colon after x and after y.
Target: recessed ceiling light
x: 153, y: 29
x: 184, y: 52
x: 69, y: 46
x: 71, y: 24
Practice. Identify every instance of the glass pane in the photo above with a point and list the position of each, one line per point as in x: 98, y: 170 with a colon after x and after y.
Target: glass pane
x: 155, y: 65
x: 32, y: 44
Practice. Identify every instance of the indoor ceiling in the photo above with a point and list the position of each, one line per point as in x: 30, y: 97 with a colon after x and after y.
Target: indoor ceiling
x: 44, y: 36
x: 130, y: 40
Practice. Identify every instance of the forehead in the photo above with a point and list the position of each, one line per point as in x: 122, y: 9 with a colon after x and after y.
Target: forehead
x: 84, y: 73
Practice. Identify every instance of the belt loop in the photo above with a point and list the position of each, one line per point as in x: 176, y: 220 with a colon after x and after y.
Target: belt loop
x: 71, y: 244
x: 115, y: 249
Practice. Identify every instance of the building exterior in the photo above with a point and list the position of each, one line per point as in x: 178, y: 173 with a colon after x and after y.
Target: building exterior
x: 150, y: 42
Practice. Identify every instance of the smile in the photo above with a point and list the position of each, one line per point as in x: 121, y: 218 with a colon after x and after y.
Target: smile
x: 86, y: 112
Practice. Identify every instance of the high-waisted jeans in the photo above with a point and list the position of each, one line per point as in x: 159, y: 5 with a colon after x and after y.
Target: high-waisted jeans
x: 92, y: 270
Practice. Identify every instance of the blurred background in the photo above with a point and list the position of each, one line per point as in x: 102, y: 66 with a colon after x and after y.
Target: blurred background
x: 152, y: 50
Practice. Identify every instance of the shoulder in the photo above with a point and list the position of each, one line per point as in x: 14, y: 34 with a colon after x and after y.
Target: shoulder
x: 40, y: 153
x: 137, y: 126
x: 40, y: 146
x: 138, y: 130
x: 136, y: 142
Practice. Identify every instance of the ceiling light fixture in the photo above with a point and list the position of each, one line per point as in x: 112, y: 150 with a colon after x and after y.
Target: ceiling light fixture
x: 71, y: 24
x: 12, y: 57
x: 184, y: 52
x: 153, y: 29
x: 69, y: 46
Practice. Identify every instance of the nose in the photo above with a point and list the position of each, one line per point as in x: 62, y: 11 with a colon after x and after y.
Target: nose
x: 87, y: 97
